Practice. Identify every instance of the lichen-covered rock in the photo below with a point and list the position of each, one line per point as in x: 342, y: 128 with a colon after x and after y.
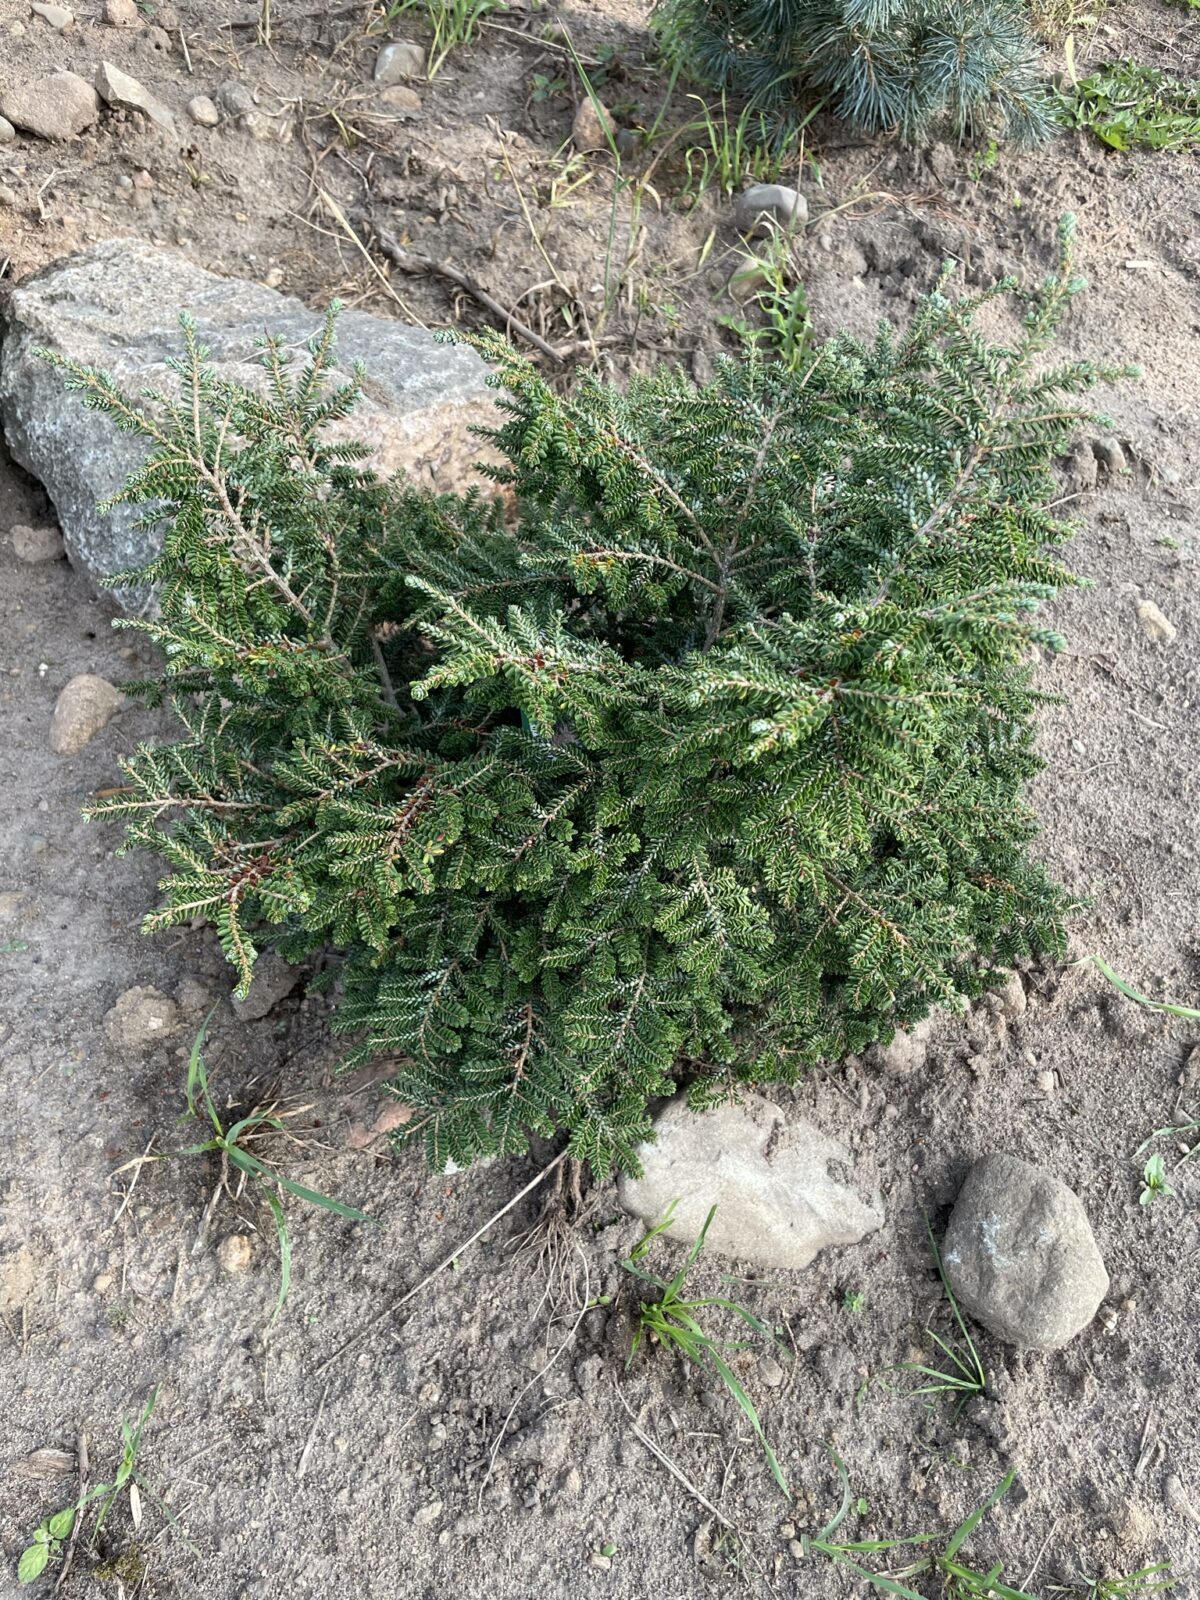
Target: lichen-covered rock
x: 783, y: 1190
x: 1020, y: 1255
x: 116, y: 306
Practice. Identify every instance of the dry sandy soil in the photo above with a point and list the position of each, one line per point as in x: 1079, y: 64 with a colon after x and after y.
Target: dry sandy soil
x: 440, y: 1455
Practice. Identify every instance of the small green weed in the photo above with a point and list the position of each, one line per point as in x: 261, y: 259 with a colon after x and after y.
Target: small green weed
x: 453, y: 23
x: 1149, y: 1580
x: 959, y: 1581
x: 231, y: 1145
x: 1154, y: 1179
x: 1055, y: 19
x: 1130, y: 107
x: 542, y: 87
x: 50, y: 1536
x: 781, y: 300
x: 670, y: 1320
x: 965, y: 1376
x: 854, y: 1301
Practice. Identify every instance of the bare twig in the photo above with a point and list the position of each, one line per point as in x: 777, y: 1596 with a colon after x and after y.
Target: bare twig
x: 81, y: 1457
x: 412, y: 261
x: 538, y: 1376
x: 302, y: 1464
x: 410, y: 1294
x: 676, y: 1472
x: 339, y: 216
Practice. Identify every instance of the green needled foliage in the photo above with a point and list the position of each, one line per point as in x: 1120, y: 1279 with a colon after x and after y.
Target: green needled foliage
x: 959, y: 69
x: 710, y: 767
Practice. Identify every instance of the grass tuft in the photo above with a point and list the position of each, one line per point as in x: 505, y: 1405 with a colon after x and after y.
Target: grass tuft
x: 670, y: 1320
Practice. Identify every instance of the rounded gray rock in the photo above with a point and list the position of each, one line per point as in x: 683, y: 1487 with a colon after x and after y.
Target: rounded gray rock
x: 7, y: 132
x: 58, y: 106
x: 1020, y: 1256
x: 236, y: 98
x: 783, y: 1189
x: 203, y: 111
x: 398, y: 61
x: 766, y: 206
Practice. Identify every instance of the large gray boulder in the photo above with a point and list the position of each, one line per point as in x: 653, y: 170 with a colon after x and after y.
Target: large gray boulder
x: 1020, y: 1255
x: 783, y: 1190
x: 117, y: 305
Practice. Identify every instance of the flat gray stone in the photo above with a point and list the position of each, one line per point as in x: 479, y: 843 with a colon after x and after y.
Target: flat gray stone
x: 117, y: 88
x: 783, y: 1190
x: 1020, y: 1255
x: 116, y: 306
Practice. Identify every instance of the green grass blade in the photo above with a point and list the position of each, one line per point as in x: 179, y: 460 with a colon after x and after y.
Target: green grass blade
x: 843, y: 1511
x: 877, y: 1580
x: 970, y: 1523
x: 734, y: 1386
x: 249, y: 1163
x: 197, y: 1077
x: 285, y: 1255
x: 1131, y: 993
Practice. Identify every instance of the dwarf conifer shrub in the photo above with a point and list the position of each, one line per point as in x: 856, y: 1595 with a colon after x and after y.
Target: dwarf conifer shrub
x: 951, y: 68
x: 709, y: 766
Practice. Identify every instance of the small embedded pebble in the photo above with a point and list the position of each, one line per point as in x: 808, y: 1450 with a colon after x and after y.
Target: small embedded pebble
x: 86, y: 705
x: 1178, y: 1501
x: 235, y: 1252
x: 1110, y: 455
x: 122, y: 14
x: 7, y: 132
x: 766, y: 206
x: 1012, y: 997
x: 57, y: 16
x: 400, y: 100
x: 34, y: 544
x: 102, y: 1283
x: 1155, y: 625
x: 603, y: 1563
x: 203, y: 111
x: 1047, y: 1082
x: 427, y: 1514
x: 235, y: 98
x: 770, y: 1372
x: 593, y: 127
x: 8, y: 197
x: 401, y: 59
x: 259, y: 126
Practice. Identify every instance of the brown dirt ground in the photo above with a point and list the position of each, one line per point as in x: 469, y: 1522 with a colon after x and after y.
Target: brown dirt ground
x: 291, y: 1482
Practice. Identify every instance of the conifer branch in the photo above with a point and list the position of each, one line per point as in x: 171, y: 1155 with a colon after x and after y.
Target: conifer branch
x: 712, y: 765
